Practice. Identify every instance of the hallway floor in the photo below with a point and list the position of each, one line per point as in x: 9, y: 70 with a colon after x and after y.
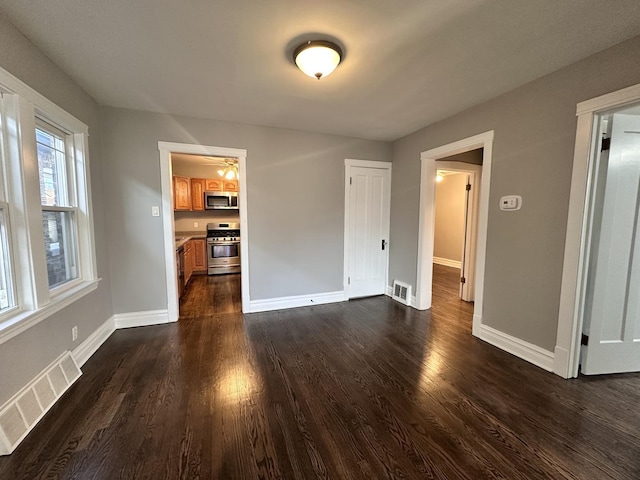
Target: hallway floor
x: 365, y: 389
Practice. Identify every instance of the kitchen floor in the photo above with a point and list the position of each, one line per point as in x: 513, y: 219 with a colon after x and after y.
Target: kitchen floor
x: 211, y: 294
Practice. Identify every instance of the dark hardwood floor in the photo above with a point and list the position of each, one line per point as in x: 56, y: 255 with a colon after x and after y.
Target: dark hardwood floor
x: 366, y: 389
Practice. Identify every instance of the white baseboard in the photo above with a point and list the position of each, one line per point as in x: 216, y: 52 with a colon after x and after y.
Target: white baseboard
x: 295, y: 301
x: 447, y: 262
x: 524, y: 350
x: 83, y: 352
x: 561, y: 362
x: 141, y: 319
x: 412, y: 298
x: 21, y: 413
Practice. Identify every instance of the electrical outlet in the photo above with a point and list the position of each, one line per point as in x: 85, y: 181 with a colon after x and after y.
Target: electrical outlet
x: 195, y: 224
x: 74, y: 333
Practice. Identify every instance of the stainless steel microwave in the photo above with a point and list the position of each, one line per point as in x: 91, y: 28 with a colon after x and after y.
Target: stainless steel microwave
x: 220, y: 200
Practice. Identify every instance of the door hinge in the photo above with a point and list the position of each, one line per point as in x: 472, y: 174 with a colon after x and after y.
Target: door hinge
x: 468, y: 187
x: 463, y: 280
x: 384, y: 243
x: 348, y: 280
x: 584, y: 340
x: 606, y: 144
x: 350, y: 180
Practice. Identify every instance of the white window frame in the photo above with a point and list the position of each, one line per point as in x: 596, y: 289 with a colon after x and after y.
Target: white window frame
x: 70, y: 189
x: 35, y: 301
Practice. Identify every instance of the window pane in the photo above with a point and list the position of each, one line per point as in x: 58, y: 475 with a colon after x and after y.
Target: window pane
x: 6, y: 283
x: 52, y: 169
x: 60, y: 246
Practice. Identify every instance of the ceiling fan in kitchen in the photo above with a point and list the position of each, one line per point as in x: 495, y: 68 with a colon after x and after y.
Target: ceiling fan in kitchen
x: 228, y: 168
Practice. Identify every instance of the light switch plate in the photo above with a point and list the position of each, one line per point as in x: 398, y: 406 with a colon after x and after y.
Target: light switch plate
x: 511, y: 203
x: 155, y: 211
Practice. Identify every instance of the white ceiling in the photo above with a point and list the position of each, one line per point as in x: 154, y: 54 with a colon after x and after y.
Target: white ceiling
x: 407, y: 63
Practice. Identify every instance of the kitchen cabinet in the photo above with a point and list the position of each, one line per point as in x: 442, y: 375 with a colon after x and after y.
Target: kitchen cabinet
x: 197, y: 193
x: 221, y: 185
x: 213, y: 185
x: 199, y: 255
x: 230, y: 186
x: 181, y: 193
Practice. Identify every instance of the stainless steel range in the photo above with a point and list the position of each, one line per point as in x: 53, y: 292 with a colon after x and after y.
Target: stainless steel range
x: 223, y: 248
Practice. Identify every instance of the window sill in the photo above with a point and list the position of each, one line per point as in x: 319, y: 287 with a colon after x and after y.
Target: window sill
x: 22, y: 321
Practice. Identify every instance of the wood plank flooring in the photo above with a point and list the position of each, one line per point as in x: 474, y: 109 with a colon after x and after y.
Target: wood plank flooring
x: 366, y: 389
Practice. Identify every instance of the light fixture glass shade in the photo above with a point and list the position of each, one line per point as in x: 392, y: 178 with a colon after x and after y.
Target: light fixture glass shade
x: 317, y: 58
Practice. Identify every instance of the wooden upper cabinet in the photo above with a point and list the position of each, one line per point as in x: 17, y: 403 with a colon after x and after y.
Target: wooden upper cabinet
x: 230, y: 186
x: 199, y: 254
x: 197, y: 193
x: 181, y: 193
x: 213, y: 185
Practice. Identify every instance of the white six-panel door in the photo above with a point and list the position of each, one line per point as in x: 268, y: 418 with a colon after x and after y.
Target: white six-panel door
x: 612, y: 309
x: 367, y: 228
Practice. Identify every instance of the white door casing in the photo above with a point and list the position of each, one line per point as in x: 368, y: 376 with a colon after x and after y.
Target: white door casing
x: 367, y: 210
x: 166, y: 186
x: 575, y: 264
x: 427, y: 216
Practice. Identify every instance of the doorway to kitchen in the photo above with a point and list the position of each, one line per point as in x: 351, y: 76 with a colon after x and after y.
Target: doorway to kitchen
x: 204, y: 207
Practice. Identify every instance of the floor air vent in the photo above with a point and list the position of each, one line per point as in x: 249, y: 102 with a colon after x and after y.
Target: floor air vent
x: 401, y: 292
x: 21, y: 413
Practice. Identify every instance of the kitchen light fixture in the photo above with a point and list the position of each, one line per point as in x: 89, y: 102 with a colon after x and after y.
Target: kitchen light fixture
x: 317, y: 58
x: 229, y: 170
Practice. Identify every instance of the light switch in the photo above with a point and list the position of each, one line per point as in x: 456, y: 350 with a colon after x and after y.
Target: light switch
x: 511, y: 202
x: 195, y: 224
x: 155, y: 211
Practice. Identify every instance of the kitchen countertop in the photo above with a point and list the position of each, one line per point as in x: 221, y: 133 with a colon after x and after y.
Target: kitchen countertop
x: 183, y: 237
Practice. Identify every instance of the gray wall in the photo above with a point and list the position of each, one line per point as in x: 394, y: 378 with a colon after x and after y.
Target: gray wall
x: 25, y: 355
x: 533, y: 154
x: 450, y: 209
x: 295, y: 203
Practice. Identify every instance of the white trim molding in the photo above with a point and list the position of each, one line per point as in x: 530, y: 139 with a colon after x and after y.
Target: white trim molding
x: 141, y: 319
x: 295, y: 301
x: 574, y: 269
x: 426, y: 228
x: 166, y: 186
x: 447, y: 262
x: 521, y: 349
x: 91, y: 344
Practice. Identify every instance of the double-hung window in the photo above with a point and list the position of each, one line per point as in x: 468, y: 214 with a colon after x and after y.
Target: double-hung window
x: 47, y: 254
x: 57, y: 197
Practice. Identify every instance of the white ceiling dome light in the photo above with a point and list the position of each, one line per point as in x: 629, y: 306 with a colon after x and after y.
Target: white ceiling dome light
x: 317, y: 58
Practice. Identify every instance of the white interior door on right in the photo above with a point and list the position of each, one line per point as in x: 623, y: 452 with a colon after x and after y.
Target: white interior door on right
x: 367, y: 224
x: 612, y: 301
